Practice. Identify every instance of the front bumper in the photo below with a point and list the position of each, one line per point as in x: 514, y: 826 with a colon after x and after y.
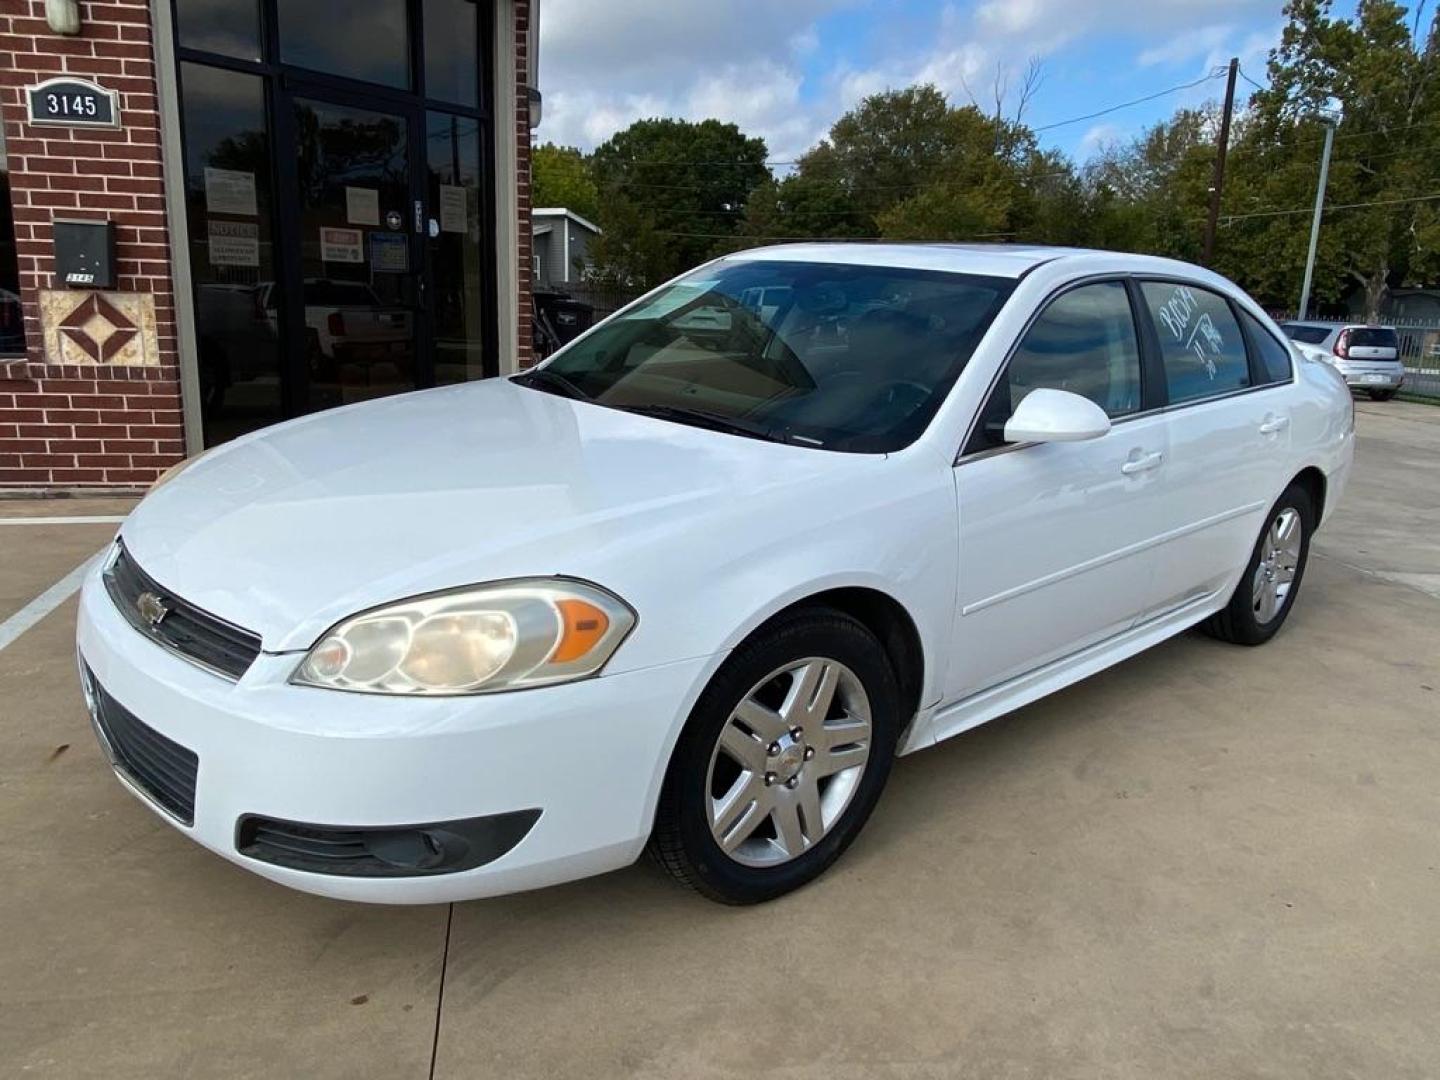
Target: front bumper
x: 588, y: 755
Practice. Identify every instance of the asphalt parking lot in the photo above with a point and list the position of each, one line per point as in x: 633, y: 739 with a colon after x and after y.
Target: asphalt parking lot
x: 1207, y: 862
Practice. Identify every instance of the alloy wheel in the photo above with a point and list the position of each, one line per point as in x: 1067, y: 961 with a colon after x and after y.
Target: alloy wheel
x: 1279, y: 561
x: 788, y: 761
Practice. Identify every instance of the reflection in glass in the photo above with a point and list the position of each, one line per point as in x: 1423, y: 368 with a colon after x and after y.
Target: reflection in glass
x: 232, y: 259
x: 227, y: 27
x: 360, y: 39
x: 452, y: 146
x: 451, y: 51
x: 12, y: 321
x: 359, y: 281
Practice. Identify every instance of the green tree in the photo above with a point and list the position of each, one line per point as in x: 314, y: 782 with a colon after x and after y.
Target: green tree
x: 1378, y: 78
x: 561, y: 176
x: 685, y: 183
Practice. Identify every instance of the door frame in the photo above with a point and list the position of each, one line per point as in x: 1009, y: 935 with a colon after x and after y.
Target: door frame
x: 294, y: 359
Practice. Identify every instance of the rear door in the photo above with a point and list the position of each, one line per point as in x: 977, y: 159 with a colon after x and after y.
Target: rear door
x: 1228, y: 387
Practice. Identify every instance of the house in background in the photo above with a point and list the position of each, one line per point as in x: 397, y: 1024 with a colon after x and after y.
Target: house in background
x: 561, y: 246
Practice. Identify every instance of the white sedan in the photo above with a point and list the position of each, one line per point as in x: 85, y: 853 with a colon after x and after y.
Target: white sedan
x: 695, y: 582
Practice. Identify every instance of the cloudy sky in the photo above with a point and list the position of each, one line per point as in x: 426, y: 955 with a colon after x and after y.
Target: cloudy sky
x: 786, y: 69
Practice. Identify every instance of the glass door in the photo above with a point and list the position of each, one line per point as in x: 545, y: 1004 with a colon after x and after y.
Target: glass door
x: 355, y: 286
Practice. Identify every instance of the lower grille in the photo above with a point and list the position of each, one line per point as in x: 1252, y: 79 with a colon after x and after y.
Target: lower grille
x: 161, y: 768
x: 442, y: 847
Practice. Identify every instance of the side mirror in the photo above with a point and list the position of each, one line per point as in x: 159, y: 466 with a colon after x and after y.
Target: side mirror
x: 1047, y: 415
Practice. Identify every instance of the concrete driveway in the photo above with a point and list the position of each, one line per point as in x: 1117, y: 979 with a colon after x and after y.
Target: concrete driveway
x: 1207, y: 862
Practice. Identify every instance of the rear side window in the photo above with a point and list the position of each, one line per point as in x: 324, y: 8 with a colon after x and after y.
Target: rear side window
x: 1308, y: 335
x: 1200, y: 341
x: 1273, y: 358
x: 1373, y: 337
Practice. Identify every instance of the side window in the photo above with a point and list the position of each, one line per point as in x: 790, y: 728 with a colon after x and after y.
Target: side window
x: 1200, y: 341
x: 1083, y: 342
x: 1273, y: 359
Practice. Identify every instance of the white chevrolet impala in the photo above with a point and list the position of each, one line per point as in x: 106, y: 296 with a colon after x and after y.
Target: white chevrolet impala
x: 695, y: 582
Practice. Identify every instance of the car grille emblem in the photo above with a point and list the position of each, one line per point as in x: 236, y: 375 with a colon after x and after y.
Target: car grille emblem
x: 152, y: 609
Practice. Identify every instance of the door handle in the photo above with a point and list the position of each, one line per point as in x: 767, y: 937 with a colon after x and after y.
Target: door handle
x: 1273, y: 425
x: 1143, y: 463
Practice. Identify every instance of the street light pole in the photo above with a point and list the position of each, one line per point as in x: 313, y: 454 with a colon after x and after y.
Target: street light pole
x: 1315, y: 222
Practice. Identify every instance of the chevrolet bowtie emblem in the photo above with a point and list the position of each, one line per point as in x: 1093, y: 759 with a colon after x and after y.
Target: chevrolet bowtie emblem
x: 152, y: 609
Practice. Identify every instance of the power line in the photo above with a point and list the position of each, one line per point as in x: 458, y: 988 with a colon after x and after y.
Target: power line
x: 1231, y: 218
x: 1214, y: 74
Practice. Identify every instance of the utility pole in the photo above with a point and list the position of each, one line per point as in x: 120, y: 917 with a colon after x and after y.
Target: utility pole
x: 1315, y: 221
x: 1218, y: 184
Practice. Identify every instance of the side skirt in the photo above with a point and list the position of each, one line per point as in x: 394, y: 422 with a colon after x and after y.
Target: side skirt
x: 1010, y: 695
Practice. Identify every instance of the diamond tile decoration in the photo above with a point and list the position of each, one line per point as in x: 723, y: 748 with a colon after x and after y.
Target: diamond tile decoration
x: 99, y: 328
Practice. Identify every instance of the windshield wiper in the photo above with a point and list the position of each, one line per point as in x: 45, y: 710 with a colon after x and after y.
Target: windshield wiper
x: 682, y: 414
x: 552, y: 382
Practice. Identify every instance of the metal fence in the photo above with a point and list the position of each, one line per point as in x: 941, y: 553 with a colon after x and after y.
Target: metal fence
x: 1420, y: 350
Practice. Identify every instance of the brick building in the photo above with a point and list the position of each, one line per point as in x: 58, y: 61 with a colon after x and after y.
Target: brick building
x: 302, y: 203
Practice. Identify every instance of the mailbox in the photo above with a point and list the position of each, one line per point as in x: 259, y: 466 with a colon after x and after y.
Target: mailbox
x: 85, y: 254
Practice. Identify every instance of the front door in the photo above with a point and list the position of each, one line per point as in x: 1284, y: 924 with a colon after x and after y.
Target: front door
x: 356, y: 257
x: 1058, y: 540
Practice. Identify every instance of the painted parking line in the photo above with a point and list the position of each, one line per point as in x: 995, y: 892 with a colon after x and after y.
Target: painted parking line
x: 46, y: 602
x: 115, y: 520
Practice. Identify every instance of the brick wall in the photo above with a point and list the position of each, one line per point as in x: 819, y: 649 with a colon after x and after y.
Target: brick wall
x: 524, y: 261
x: 71, y: 426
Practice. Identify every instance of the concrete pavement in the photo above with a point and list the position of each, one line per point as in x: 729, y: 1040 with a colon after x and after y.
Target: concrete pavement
x: 1207, y: 862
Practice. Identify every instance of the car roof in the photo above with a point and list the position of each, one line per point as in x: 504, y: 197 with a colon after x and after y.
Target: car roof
x: 1321, y: 324
x: 989, y: 260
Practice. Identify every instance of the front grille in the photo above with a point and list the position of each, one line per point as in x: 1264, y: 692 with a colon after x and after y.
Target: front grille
x: 184, y: 629
x: 160, y: 767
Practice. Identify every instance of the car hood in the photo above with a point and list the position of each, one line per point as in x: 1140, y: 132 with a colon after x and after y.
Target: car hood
x: 289, y: 530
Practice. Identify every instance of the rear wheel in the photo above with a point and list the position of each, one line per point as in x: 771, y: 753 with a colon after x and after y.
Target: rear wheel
x: 1381, y: 395
x: 1267, y: 590
x: 781, y: 761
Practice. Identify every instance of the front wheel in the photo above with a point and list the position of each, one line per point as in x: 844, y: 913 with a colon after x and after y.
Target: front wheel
x: 782, y: 760
x: 1271, y: 580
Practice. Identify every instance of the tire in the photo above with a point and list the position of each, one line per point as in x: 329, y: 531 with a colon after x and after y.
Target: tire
x: 766, y: 679
x: 1258, y: 609
x: 1381, y: 395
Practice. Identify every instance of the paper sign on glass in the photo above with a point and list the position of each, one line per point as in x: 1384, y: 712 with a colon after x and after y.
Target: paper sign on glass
x: 342, y: 245
x: 452, y: 209
x: 234, y: 243
x: 228, y: 191
x: 362, y: 206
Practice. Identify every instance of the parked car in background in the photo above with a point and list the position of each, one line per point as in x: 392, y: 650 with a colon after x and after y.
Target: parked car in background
x: 695, y: 581
x: 1368, y: 356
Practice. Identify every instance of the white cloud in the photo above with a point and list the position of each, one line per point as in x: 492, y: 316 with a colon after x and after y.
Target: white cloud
x: 1098, y: 137
x: 748, y: 61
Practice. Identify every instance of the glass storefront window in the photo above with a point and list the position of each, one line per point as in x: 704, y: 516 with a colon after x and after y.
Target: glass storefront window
x: 456, y: 251
x: 227, y: 27
x: 452, y: 70
x: 232, y: 257
x: 359, y: 280
x: 12, y: 321
x: 360, y: 39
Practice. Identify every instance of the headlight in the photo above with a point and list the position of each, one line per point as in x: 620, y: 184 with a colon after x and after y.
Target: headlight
x: 505, y: 636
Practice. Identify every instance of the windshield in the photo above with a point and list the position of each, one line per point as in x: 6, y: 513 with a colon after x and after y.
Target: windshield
x: 1307, y: 335
x: 854, y: 358
x: 1371, y: 337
